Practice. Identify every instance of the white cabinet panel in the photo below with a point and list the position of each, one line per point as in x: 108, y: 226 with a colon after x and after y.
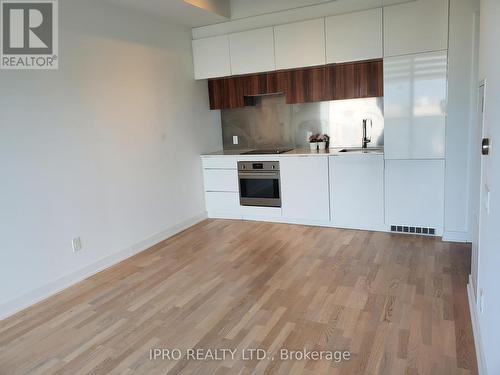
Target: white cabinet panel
x: 357, y: 191
x: 354, y: 36
x: 221, y: 180
x: 223, y: 205
x: 300, y: 44
x: 211, y: 57
x: 304, y: 188
x: 220, y: 162
x: 252, y: 51
x: 417, y: 26
x: 415, y: 90
x: 261, y: 213
x: 415, y: 193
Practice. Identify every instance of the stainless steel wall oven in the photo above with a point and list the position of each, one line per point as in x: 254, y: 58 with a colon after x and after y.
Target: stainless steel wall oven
x: 259, y: 183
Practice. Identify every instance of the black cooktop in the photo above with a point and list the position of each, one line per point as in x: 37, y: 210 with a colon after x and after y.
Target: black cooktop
x: 275, y: 151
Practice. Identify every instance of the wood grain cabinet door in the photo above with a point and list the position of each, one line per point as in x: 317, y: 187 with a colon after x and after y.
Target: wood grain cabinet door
x: 260, y: 84
x: 303, y: 85
x: 354, y: 80
x: 331, y: 82
x: 226, y: 93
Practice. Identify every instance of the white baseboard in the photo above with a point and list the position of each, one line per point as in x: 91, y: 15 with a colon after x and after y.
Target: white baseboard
x: 481, y: 363
x: 451, y: 236
x: 29, y: 299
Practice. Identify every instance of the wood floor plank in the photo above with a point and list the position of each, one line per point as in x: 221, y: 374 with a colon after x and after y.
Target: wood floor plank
x: 397, y: 303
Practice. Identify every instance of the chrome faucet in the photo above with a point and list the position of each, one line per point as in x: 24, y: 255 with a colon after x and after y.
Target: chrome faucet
x: 366, y: 139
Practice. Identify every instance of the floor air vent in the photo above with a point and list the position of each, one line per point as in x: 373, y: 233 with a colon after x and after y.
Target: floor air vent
x: 413, y: 230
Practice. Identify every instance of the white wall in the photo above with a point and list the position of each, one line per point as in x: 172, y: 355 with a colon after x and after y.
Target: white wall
x: 462, y: 83
x: 489, y: 253
x: 106, y: 148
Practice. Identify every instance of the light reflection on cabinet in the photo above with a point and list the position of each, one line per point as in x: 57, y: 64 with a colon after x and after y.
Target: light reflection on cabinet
x: 415, y: 90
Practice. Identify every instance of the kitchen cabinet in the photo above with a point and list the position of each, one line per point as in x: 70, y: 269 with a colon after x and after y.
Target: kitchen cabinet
x: 300, y: 44
x: 252, y: 51
x: 415, y: 193
x: 304, y: 189
x: 415, y: 95
x: 226, y: 93
x: 237, y: 92
x: 354, y: 36
x: 222, y: 196
x: 416, y: 26
x: 221, y: 180
x: 211, y: 57
x: 354, y: 80
x: 331, y: 82
x: 303, y: 85
x: 223, y: 205
x: 261, y: 84
x: 357, y: 191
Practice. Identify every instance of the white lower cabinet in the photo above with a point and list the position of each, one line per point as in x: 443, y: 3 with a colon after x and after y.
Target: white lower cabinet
x: 222, y: 196
x: 304, y: 189
x: 223, y: 205
x: 221, y: 180
x: 357, y: 191
x: 415, y: 193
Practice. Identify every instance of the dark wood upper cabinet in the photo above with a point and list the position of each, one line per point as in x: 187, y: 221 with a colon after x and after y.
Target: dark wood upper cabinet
x: 331, y: 82
x: 260, y: 84
x: 355, y: 80
x: 303, y: 85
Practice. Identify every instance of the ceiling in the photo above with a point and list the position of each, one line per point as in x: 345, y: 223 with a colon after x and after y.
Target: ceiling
x: 195, y: 13
x: 190, y: 13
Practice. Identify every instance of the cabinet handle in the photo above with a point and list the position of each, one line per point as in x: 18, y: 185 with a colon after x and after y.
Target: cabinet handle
x: 485, y: 146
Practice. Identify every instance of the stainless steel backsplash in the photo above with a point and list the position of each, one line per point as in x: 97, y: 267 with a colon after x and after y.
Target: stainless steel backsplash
x: 273, y: 123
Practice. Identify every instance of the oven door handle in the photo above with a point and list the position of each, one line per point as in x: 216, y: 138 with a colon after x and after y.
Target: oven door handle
x: 257, y: 175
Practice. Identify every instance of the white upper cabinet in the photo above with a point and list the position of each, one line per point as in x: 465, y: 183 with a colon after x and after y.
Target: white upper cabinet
x: 300, y: 44
x: 414, y: 27
x: 211, y: 57
x: 415, y: 193
x: 252, y: 51
x: 304, y: 188
x: 415, y: 91
x: 354, y: 36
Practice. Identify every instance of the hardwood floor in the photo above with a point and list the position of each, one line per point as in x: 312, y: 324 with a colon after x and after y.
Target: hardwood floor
x: 397, y: 303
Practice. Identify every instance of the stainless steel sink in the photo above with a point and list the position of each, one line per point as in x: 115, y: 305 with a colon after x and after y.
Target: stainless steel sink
x: 362, y: 150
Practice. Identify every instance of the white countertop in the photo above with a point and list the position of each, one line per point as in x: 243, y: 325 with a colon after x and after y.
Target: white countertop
x: 294, y: 152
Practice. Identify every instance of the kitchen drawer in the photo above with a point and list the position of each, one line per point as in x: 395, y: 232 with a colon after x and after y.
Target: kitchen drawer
x: 223, y: 162
x: 221, y: 180
x: 261, y: 213
x: 223, y: 205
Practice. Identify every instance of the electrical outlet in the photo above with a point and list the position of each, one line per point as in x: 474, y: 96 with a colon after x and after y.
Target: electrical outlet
x: 481, y: 301
x: 235, y: 140
x: 77, y: 244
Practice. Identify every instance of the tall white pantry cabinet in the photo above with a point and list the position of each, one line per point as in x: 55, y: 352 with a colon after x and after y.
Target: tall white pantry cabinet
x: 415, y: 101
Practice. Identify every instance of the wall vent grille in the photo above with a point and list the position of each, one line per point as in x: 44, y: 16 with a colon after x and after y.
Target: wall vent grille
x: 422, y: 231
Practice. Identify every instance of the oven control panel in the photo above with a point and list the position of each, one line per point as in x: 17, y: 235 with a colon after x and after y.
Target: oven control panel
x: 258, y: 165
